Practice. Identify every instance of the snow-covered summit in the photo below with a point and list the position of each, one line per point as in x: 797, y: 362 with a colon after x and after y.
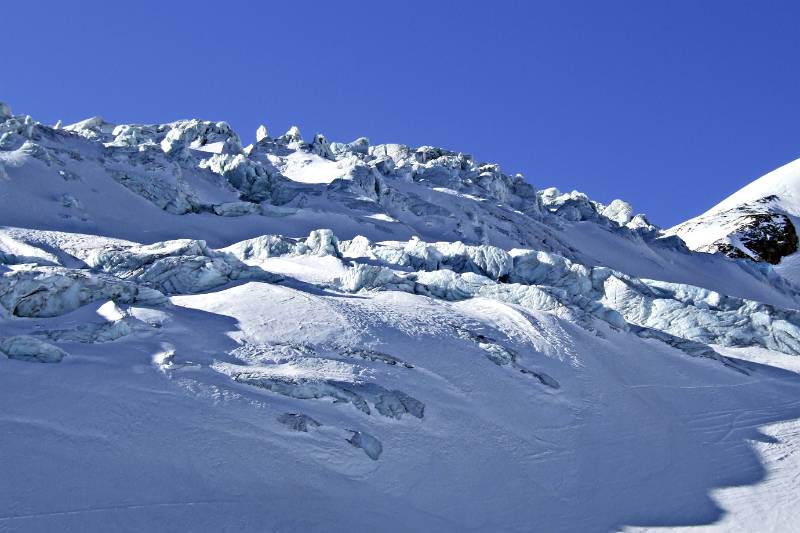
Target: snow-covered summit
x: 783, y: 182
x: 758, y: 222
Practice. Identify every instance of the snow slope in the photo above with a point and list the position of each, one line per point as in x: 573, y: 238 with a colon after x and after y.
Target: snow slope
x: 783, y: 182
x: 293, y: 336
x: 758, y: 222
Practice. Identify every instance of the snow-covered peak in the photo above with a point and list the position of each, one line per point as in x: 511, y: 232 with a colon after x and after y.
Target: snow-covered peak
x: 782, y: 183
x: 757, y: 222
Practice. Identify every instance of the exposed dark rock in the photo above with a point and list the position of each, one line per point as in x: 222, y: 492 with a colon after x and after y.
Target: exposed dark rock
x: 765, y: 237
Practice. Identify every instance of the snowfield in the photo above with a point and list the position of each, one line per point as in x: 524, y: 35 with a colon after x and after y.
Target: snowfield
x: 317, y: 336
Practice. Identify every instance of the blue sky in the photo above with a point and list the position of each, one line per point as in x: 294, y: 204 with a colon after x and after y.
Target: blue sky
x: 671, y: 105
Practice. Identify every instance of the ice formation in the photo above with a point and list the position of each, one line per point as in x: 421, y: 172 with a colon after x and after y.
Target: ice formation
x: 374, y: 326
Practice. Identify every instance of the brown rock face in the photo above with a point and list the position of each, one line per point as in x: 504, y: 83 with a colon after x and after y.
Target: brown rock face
x: 762, y: 236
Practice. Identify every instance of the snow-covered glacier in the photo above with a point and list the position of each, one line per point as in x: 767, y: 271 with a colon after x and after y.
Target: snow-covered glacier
x: 306, y: 335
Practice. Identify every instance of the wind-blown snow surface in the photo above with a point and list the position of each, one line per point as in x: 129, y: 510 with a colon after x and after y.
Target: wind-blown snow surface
x: 320, y: 336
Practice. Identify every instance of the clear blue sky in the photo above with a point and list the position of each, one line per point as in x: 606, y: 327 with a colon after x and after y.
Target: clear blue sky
x: 671, y: 105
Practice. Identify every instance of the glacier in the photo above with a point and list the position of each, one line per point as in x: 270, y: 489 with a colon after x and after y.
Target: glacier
x: 317, y: 335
